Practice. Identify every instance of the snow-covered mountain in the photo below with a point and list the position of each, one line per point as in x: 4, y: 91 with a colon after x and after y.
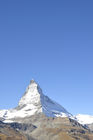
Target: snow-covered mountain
x: 84, y: 119
x: 34, y: 102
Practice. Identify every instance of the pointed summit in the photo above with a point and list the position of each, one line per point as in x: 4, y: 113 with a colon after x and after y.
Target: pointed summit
x: 34, y: 102
x: 32, y: 94
x: 32, y: 81
x: 33, y: 86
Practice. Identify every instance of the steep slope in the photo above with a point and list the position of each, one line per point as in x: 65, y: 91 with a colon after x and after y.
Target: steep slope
x: 34, y: 102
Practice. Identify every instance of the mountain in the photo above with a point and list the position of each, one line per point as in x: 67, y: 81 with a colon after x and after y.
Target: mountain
x: 34, y: 102
x: 37, y: 117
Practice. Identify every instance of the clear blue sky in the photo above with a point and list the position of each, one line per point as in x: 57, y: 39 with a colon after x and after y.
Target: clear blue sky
x: 52, y: 42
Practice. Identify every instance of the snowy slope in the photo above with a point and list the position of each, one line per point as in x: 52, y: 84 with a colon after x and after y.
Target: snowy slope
x: 84, y: 119
x: 33, y: 102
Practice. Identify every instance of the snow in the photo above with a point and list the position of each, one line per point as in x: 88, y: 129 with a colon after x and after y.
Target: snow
x: 32, y: 102
x: 32, y: 94
x: 84, y: 119
x: 8, y: 121
x: 3, y: 113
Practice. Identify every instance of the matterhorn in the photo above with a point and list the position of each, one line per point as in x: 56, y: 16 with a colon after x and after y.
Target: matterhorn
x: 37, y: 117
x: 34, y: 102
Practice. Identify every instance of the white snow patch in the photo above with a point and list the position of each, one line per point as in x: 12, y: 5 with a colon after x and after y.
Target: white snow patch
x: 84, y: 119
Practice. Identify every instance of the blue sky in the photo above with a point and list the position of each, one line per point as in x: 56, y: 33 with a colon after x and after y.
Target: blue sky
x: 52, y: 42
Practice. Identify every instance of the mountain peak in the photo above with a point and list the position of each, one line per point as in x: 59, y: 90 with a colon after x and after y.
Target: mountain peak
x: 33, y: 81
x: 33, y: 84
x: 33, y: 102
x: 32, y: 94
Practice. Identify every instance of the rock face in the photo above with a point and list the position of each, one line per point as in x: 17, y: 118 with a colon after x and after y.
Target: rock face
x: 44, y: 128
x: 34, y: 102
x: 90, y: 126
x: 8, y: 133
